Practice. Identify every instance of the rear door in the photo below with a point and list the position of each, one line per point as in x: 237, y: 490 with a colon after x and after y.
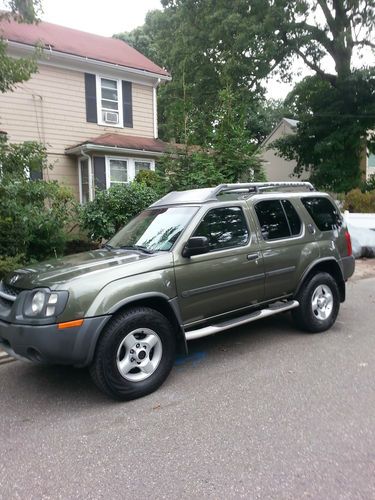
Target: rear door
x: 227, y: 278
x: 287, y: 244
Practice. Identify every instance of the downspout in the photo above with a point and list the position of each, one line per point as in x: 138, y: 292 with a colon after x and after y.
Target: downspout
x: 89, y: 169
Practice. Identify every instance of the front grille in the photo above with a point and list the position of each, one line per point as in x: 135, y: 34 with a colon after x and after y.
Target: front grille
x: 5, y: 303
x: 10, y: 290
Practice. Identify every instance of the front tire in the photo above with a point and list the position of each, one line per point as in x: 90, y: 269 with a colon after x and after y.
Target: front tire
x: 319, y: 300
x: 135, y: 354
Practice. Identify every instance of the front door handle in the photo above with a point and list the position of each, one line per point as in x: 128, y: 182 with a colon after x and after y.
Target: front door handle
x: 253, y: 256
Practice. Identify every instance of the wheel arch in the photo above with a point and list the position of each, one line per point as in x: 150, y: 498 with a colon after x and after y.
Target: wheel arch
x: 327, y: 265
x: 161, y: 303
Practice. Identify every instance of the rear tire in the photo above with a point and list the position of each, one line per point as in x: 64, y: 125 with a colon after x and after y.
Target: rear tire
x: 134, y: 355
x: 319, y: 300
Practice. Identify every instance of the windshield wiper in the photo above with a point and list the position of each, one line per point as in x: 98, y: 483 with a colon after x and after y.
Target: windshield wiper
x: 107, y: 246
x: 136, y: 247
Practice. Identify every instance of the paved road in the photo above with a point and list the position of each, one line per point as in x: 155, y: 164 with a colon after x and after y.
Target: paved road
x: 260, y: 412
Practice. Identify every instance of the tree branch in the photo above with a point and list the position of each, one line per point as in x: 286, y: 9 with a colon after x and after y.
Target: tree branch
x: 325, y: 76
x: 327, y: 13
x: 367, y: 43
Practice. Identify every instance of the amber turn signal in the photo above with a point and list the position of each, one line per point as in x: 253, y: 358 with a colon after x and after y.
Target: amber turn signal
x: 70, y: 324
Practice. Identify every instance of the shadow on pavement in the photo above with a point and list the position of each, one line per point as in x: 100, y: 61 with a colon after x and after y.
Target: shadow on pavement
x: 59, y: 385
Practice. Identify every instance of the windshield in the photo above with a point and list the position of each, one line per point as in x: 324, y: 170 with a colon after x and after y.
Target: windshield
x: 154, y: 229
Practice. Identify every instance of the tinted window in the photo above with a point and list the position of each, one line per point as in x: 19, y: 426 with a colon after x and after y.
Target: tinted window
x: 224, y: 227
x: 293, y: 218
x: 272, y: 220
x: 325, y: 215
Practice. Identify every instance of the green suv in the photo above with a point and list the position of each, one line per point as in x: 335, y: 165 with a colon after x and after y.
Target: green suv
x: 193, y: 264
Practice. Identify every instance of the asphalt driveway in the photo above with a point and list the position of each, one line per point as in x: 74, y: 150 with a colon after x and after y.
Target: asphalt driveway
x: 262, y: 411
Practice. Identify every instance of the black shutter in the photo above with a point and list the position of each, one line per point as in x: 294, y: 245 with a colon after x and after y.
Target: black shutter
x: 99, y: 173
x: 90, y: 91
x: 127, y: 104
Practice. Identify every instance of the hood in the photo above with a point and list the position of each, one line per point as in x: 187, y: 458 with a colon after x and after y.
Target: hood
x: 92, y: 265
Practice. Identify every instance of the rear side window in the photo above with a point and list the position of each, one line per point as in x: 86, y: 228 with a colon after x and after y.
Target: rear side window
x: 277, y: 219
x: 272, y: 220
x: 325, y: 215
x: 224, y: 227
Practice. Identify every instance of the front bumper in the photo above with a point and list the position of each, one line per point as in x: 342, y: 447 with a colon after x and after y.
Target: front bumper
x: 47, y: 344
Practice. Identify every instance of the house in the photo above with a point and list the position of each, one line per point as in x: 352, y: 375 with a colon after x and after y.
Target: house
x: 279, y: 169
x: 92, y: 103
x: 276, y: 168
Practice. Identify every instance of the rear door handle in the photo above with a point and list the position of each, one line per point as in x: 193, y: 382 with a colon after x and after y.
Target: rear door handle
x: 253, y: 256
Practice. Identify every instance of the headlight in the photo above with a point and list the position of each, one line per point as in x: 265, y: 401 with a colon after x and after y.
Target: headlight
x: 45, y: 304
x: 37, y: 303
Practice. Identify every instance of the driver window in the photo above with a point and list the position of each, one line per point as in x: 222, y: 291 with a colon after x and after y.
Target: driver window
x: 224, y: 228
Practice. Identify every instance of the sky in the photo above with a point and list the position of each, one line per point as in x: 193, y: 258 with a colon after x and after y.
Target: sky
x: 98, y: 16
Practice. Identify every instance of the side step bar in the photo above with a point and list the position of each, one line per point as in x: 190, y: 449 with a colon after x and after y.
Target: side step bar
x: 242, y: 320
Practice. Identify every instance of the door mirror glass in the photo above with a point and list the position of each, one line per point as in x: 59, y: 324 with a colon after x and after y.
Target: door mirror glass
x: 196, y: 246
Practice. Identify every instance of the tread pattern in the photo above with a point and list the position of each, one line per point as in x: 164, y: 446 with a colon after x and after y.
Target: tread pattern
x: 303, y: 316
x: 103, y: 369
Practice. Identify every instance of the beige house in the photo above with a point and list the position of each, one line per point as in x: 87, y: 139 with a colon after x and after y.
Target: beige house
x: 276, y: 168
x: 279, y: 169
x: 92, y: 103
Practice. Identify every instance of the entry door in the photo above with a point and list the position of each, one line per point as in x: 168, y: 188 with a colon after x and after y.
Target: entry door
x: 227, y: 278
x: 286, y: 243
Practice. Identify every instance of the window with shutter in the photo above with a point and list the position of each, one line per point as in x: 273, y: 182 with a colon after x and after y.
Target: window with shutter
x: 90, y: 91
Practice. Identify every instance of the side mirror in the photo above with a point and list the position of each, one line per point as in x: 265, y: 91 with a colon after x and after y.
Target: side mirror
x: 196, y: 246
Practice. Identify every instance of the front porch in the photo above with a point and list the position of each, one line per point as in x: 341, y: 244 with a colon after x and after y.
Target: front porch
x: 113, y: 159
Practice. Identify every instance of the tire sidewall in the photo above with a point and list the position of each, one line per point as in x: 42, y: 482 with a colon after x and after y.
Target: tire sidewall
x: 141, y: 318
x: 309, y: 321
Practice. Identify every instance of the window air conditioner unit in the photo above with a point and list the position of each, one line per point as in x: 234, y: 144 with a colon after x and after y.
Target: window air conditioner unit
x: 110, y: 117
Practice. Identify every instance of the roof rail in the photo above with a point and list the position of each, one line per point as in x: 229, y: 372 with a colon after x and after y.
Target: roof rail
x: 258, y: 187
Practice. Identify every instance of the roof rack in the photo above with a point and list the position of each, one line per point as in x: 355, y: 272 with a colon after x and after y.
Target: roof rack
x: 258, y: 187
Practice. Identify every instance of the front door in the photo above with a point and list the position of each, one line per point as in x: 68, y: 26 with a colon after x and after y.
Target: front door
x: 227, y: 278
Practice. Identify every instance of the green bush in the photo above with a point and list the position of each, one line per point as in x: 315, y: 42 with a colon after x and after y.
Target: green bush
x: 149, y: 178
x: 9, y: 264
x: 357, y: 201
x: 33, y: 218
x: 110, y: 210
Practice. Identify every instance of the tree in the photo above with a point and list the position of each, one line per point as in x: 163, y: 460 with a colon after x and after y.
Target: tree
x: 205, y: 45
x: 229, y: 158
x: 13, y: 71
x: 336, y: 108
x: 263, y: 116
x: 331, y: 134
x: 210, y: 45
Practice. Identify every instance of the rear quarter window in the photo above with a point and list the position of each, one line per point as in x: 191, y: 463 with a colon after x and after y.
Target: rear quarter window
x: 323, y: 212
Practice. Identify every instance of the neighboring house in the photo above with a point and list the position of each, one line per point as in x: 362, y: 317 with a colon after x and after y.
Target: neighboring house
x: 279, y: 169
x: 276, y: 168
x: 92, y: 103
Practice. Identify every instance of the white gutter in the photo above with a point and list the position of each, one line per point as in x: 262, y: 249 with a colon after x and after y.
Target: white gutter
x: 91, y: 177
x: 111, y: 149
x: 80, y: 59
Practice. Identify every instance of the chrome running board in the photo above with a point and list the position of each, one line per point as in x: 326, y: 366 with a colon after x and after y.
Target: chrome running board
x: 242, y: 320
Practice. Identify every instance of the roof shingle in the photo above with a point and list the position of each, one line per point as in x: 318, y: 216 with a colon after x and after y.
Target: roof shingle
x: 78, y: 43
